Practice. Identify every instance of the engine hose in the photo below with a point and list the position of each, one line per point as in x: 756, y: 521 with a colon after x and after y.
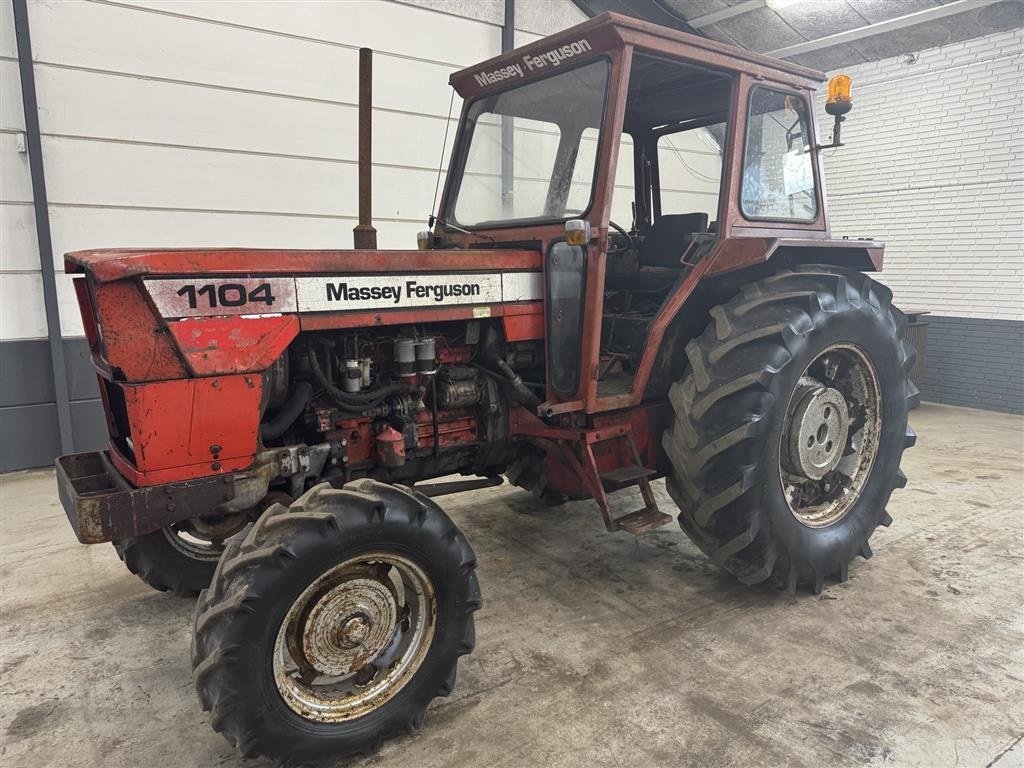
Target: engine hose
x: 525, y: 396
x: 286, y: 415
x: 354, y: 401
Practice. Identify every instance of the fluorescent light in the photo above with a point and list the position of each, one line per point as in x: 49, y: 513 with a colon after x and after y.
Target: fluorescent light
x: 776, y: 4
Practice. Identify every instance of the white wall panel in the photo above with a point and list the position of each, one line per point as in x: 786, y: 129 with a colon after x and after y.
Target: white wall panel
x: 122, y: 39
x: 91, y: 104
x: 19, y: 251
x: 132, y: 175
x: 8, y: 43
x: 21, y: 306
x: 15, y: 179
x: 12, y: 115
x: 388, y: 27
x: 138, y: 42
x: 84, y: 228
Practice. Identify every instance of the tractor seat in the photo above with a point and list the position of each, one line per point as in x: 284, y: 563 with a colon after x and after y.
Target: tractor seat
x: 661, y: 251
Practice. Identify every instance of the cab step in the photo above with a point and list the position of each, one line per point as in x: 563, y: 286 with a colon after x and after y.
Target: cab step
x: 642, y: 521
x: 622, y: 477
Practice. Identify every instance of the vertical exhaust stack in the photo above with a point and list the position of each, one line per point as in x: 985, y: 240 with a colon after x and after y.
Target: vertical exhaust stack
x: 364, y: 235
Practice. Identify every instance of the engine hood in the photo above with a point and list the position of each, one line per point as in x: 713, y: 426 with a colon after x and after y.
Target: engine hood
x: 108, y: 265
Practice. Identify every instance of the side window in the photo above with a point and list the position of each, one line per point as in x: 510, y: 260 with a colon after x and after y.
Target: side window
x: 625, y: 189
x: 690, y: 170
x: 778, y: 166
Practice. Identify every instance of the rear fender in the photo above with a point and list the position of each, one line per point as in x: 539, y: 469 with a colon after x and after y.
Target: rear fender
x: 733, y: 264
x: 741, y: 253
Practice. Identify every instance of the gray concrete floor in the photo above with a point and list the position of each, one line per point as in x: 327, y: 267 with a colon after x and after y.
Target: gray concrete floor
x: 593, y: 649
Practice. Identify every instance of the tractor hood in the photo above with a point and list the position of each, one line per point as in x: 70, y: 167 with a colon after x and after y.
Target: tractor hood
x: 154, y: 315
x: 108, y: 265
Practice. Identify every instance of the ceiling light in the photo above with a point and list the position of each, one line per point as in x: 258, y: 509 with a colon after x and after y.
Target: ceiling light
x: 776, y: 4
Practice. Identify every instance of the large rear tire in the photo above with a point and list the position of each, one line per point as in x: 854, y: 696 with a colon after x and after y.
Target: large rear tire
x: 333, y: 623
x: 790, y: 424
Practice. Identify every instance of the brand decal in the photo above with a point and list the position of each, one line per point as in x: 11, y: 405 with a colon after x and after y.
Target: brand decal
x: 497, y: 75
x: 344, y: 292
x: 326, y: 294
x: 532, y: 62
x: 181, y: 297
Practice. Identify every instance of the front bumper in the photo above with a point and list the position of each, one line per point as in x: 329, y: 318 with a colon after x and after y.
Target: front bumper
x: 102, y: 506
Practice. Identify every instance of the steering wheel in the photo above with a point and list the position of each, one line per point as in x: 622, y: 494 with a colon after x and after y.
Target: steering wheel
x: 615, y: 251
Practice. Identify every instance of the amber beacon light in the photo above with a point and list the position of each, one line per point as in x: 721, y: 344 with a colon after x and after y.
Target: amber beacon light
x: 839, y: 101
x: 837, y: 105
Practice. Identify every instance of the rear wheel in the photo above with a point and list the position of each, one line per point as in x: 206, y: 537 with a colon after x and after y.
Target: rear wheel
x: 181, y: 558
x: 790, y: 425
x: 333, y: 623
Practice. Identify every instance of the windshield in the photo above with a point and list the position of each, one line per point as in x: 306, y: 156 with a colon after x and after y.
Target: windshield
x: 530, y: 152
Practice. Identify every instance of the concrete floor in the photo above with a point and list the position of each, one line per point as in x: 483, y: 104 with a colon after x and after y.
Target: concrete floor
x: 593, y: 649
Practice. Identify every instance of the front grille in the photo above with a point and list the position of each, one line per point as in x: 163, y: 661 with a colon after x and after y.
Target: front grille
x: 117, y: 419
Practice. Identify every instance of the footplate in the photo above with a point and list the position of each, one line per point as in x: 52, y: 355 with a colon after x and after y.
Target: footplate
x: 642, y: 521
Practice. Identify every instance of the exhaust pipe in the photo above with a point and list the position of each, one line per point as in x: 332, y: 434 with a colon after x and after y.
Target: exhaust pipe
x: 364, y: 236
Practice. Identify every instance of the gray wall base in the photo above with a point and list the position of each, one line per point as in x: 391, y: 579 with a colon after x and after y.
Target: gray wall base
x: 29, y: 436
x: 975, y: 363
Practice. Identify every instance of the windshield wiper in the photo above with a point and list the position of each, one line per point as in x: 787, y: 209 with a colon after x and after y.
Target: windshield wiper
x: 443, y: 223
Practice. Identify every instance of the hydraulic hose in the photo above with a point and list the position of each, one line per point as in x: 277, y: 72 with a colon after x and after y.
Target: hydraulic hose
x: 300, y: 396
x: 523, y: 393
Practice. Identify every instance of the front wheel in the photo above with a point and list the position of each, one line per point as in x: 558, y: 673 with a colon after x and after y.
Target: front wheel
x: 790, y: 424
x: 181, y: 558
x: 333, y: 623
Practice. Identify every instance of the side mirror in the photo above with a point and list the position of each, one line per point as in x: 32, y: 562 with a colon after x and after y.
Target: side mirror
x: 837, y: 105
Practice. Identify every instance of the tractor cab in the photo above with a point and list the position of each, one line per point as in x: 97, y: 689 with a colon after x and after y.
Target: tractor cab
x: 638, y: 160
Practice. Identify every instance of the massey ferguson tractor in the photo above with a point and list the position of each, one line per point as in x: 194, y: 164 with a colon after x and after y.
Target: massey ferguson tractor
x: 273, y: 413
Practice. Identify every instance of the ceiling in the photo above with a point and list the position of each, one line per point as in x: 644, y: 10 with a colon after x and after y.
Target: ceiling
x: 826, y: 34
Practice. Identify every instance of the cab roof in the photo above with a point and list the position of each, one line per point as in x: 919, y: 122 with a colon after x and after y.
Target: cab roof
x: 609, y: 31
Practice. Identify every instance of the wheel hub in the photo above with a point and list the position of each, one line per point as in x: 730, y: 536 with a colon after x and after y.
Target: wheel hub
x: 349, y: 626
x: 818, y: 431
x: 831, y: 435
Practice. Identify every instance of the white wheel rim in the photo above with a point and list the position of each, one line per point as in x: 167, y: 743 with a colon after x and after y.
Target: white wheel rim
x: 355, y: 637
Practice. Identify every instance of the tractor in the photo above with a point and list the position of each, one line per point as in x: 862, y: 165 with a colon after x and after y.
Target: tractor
x: 630, y: 275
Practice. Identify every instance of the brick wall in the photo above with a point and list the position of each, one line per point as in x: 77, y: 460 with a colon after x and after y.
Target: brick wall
x: 976, y: 362
x: 934, y: 165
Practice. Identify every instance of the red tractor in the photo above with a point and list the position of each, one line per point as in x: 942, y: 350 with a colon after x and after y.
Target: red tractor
x: 273, y: 413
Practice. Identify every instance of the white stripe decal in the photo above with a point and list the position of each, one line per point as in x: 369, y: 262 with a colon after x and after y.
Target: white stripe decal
x: 328, y: 294
x: 184, y: 297
x: 521, y: 286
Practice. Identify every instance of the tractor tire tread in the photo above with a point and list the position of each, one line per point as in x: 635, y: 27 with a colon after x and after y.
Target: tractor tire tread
x: 725, y: 395
x: 276, y: 541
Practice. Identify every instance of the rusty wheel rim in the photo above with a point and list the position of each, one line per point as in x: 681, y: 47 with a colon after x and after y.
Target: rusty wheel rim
x: 831, y: 434
x: 355, y: 637
x: 202, y: 538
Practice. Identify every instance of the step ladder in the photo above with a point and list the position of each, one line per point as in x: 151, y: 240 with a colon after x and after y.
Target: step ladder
x: 642, y: 520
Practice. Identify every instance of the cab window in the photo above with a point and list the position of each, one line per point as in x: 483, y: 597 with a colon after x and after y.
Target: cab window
x: 690, y: 170
x: 778, y: 160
